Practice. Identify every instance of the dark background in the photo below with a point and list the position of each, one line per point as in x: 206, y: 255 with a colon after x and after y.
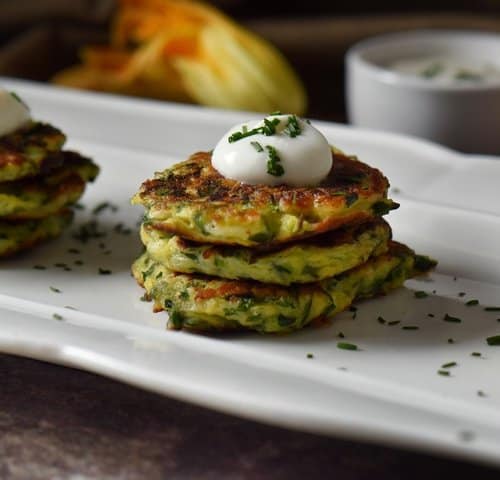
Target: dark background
x: 40, y: 37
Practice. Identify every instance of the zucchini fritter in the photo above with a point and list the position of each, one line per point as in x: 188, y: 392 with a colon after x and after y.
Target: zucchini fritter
x: 209, y: 303
x: 26, y: 152
x: 191, y: 199
x: 16, y: 236
x: 306, y: 261
x: 44, y: 195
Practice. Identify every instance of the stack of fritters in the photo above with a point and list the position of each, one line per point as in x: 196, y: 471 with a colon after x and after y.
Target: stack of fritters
x: 225, y: 255
x: 38, y: 184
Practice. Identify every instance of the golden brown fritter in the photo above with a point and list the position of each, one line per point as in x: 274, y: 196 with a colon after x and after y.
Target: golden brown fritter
x: 210, y: 303
x: 193, y: 200
x: 304, y: 261
x: 43, y: 195
x: 26, y: 152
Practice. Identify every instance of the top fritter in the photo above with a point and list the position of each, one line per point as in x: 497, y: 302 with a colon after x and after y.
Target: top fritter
x: 195, y: 201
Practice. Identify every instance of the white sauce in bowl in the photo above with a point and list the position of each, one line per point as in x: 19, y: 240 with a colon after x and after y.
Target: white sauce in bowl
x: 281, y: 149
x: 447, y: 70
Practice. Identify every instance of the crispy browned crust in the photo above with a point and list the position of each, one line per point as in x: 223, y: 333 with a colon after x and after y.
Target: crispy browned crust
x: 197, y: 181
x: 325, y: 207
x: 31, y: 144
x: 44, y: 195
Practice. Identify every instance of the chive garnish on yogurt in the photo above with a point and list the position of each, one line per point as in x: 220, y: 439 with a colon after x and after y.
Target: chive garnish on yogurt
x: 274, y: 166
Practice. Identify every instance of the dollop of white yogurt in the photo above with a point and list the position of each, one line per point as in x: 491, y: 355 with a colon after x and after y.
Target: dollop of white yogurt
x: 295, y: 153
x: 13, y: 112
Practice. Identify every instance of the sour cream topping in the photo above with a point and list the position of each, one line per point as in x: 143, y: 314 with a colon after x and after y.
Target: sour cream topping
x: 281, y: 149
x: 13, y: 112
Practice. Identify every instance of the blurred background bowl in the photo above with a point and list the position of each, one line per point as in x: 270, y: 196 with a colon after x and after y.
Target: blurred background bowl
x: 463, y: 114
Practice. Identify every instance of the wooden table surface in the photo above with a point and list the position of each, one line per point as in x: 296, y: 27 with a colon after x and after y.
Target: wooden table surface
x: 60, y: 423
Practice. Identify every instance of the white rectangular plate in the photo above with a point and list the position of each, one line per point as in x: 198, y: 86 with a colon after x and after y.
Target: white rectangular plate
x: 389, y: 391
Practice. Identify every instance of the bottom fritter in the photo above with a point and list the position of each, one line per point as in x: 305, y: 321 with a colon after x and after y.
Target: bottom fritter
x: 16, y: 236
x: 209, y: 303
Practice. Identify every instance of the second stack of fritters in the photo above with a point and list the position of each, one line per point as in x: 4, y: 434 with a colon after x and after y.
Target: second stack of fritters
x: 221, y: 254
x: 39, y: 182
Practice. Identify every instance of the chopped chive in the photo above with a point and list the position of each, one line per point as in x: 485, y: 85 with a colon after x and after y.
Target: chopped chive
x: 269, y: 127
x: 74, y: 250
x: 56, y: 316
x: 421, y: 294
x: 476, y: 354
x: 340, y: 335
x: 492, y: 309
x: 494, y: 340
x: 449, y: 365
x: 432, y: 70
x: 104, y: 271
x: 381, y: 320
x: 346, y: 346
x: 239, y: 135
x: 461, y: 294
x: 444, y: 373
x: 480, y: 393
x: 88, y: 231
x: 409, y: 327
x: 450, y: 340
x: 464, y: 74
x: 352, y: 308
x: 292, y: 127
x: 100, y: 207
x: 274, y: 166
x: 449, y: 318
x: 54, y: 289
x: 39, y: 267
x: 310, y: 355
x: 394, y: 322
x: 471, y: 303
x: 430, y: 315
x: 78, y: 262
x: 257, y: 146
x: 18, y: 98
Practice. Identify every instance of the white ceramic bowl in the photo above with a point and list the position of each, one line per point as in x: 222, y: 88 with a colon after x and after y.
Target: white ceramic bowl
x: 464, y: 115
